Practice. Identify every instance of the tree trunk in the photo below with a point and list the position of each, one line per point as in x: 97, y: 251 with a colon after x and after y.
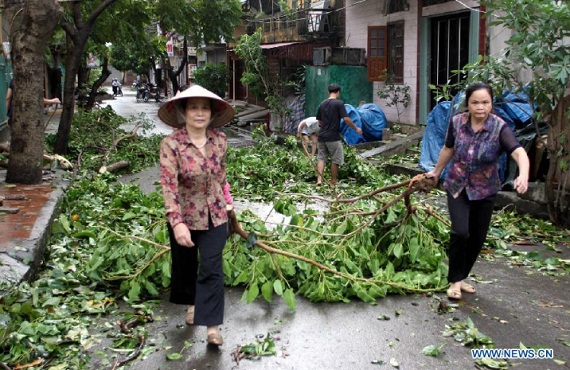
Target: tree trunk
x: 68, y: 109
x: 29, y: 35
x: 172, y: 74
x: 557, y: 187
x: 105, y: 73
x: 77, y: 34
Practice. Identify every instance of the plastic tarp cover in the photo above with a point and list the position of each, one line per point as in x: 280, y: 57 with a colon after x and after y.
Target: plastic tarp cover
x: 514, y: 109
x: 434, y: 136
x: 370, y: 118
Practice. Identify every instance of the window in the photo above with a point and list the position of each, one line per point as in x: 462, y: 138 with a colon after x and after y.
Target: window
x: 396, y: 51
x: 386, y: 52
x: 377, y: 50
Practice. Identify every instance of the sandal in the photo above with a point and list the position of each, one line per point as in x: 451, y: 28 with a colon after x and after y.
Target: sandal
x: 215, y: 339
x: 467, y: 288
x: 454, y: 294
x: 190, y: 316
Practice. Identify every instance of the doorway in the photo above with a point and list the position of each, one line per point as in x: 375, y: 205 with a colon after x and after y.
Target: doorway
x: 449, y: 51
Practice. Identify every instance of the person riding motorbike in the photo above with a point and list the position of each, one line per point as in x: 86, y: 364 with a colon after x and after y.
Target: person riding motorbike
x: 116, y: 87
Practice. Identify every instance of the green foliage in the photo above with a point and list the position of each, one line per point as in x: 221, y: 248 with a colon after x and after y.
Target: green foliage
x: 141, y: 266
x: 395, y: 95
x: 467, y: 334
x: 213, y: 77
x: 93, y: 139
x: 204, y: 21
x: 131, y: 57
x: 256, y: 76
x: 253, y: 173
x: 256, y: 349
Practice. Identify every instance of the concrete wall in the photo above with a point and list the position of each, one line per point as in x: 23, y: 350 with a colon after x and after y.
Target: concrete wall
x: 360, y: 15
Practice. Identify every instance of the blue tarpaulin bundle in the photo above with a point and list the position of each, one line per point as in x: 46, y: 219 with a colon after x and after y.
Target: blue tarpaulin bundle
x: 512, y: 108
x: 370, y: 118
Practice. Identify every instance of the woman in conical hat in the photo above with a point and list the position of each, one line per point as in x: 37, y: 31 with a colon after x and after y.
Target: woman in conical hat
x: 197, y: 201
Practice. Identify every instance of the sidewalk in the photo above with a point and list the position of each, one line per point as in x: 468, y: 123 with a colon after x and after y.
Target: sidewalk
x: 25, y: 232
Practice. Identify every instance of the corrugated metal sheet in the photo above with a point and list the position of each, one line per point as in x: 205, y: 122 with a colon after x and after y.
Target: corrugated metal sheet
x: 278, y: 45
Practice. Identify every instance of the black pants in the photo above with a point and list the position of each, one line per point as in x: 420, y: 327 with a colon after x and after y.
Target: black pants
x: 200, y: 284
x: 470, y: 220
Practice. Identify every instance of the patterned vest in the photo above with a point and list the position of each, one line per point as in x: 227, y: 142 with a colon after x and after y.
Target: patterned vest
x: 475, y: 163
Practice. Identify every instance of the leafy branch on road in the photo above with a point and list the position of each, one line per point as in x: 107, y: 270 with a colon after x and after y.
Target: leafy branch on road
x: 51, y: 319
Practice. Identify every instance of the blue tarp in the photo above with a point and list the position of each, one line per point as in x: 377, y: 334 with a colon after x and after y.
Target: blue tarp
x: 513, y: 108
x: 370, y: 118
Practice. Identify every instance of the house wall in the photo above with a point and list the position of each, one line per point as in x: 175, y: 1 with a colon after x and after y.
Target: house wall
x: 360, y: 15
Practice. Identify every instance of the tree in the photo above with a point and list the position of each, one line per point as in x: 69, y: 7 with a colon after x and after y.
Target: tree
x: 538, y: 47
x: 201, y: 22
x: 33, y: 24
x: 78, y: 29
x: 206, y: 19
x: 213, y: 77
x: 261, y: 84
x: 88, y: 26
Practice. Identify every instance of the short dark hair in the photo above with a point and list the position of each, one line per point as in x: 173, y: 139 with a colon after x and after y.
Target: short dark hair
x: 333, y: 88
x: 477, y: 86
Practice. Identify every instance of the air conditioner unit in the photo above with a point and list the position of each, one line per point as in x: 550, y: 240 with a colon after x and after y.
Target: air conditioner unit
x: 349, y: 56
x: 321, y: 56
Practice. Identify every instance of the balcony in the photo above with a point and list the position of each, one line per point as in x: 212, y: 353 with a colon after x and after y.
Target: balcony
x: 303, y: 25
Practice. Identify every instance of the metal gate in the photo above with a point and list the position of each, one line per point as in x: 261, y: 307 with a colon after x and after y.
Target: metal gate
x: 449, y: 51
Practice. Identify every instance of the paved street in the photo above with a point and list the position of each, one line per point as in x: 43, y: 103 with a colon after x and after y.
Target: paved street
x: 514, y: 305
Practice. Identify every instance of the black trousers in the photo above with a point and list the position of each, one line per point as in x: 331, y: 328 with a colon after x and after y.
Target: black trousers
x: 470, y: 220
x: 200, y: 282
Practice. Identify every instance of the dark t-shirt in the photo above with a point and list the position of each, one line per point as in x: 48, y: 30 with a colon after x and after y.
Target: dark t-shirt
x: 330, y: 112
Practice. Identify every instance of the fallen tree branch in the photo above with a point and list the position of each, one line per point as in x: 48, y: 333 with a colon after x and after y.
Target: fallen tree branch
x: 104, y: 168
x: 133, y: 356
x: 63, y: 162
x: 114, y: 167
x: 236, y: 226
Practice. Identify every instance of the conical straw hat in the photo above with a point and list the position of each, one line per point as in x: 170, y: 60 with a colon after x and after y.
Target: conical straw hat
x: 171, y: 112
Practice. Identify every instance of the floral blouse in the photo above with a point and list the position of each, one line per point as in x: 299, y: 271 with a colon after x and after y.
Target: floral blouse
x: 194, y: 187
x: 475, y: 163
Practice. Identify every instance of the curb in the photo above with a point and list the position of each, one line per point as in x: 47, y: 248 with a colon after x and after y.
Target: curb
x: 23, y: 257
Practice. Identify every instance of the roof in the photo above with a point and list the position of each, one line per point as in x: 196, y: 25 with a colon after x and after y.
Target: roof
x: 278, y: 45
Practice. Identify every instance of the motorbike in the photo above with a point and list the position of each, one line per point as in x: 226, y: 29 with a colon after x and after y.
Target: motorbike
x: 142, y: 93
x: 155, y: 93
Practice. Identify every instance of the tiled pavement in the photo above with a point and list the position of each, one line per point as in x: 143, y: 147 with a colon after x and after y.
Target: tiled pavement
x: 27, y: 202
x: 24, y: 229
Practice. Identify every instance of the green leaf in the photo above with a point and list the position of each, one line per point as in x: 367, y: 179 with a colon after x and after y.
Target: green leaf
x: 52, y: 302
x: 433, y: 350
x: 492, y: 363
x: 289, y: 298
x: 278, y: 287
x: 414, y: 247
x: 64, y: 221
x: 267, y: 290
x: 394, y: 363
x: 398, y: 250
x: 134, y: 291
x: 173, y: 356
x: 252, y: 293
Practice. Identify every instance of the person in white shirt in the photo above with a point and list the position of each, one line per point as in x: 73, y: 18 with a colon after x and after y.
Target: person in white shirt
x: 307, y: 132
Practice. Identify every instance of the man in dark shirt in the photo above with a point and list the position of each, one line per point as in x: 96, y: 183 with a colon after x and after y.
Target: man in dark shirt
x: 329, y: 114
